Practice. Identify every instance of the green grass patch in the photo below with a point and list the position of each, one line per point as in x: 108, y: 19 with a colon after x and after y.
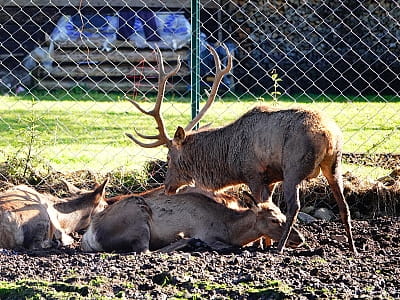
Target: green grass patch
x: 274, y: 289
x: 322, y: 293
x: 28, y: 289
x: 78, y: 130
x: 38, y: 289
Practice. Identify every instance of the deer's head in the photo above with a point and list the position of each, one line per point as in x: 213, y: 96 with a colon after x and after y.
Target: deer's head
x: 271, y: 221
x: 177, y: 173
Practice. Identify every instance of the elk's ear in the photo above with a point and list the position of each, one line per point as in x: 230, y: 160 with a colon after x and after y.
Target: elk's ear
x: 249, y: 200
x: 100, y: 191
x: 71, y: 188
x: 179, y: 136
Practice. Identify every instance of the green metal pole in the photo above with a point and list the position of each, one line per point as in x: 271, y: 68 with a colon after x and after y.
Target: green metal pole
x: 195, y: 58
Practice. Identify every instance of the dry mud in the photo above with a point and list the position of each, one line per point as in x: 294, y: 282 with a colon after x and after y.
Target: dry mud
x: 324, y: 268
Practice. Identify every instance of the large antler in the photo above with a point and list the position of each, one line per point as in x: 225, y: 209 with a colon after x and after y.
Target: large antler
x: 162, y: 137
x: 219, y: 74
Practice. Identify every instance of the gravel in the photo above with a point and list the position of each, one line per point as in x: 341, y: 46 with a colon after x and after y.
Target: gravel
x: 324, y: 268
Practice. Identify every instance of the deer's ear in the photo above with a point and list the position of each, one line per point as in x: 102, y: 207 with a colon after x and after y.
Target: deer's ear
x: 100, y: 191
x: 249, y: 200
x: 179, y: 136
x: 71, y: 188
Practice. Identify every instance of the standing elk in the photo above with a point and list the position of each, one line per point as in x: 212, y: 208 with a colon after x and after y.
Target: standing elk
x: 264, y: 146
x: 31, y: 220
x: 154, y: 221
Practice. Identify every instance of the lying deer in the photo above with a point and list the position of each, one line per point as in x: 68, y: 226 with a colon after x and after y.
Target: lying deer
x: 154, y: 221
x: 264, y: 146
x: 30, y: 219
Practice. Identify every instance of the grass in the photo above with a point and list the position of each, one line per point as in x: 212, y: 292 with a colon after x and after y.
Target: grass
x: 77, y: 130
x: 36, y: 289
x: 271, y: 289
x: 39, y: 289
x: 96, y: 289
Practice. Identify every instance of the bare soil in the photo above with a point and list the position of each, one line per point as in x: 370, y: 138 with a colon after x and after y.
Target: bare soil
x: 323, y: 268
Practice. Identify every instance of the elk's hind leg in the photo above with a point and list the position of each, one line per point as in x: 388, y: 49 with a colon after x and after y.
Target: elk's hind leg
x: 141, y: 242
x: 333, y: 173
x: 129, y: 239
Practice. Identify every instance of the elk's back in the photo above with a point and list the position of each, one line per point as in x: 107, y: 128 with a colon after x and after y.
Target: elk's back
x: 23, y: 220
x: 273, y: 142
x: 189, y: 214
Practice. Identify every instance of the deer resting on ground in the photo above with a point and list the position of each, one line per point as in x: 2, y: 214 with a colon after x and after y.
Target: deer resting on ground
x: 155, y: 221
x: 264, y: 146
x: 32, y: 220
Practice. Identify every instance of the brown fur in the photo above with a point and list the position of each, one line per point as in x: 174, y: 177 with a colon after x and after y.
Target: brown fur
x: 30, y: 219
x: 154, y: 220
x: 220, y: 197
x: 264, y: 146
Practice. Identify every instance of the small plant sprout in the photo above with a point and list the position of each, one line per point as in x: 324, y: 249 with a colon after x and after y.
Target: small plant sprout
x: 275, y: 78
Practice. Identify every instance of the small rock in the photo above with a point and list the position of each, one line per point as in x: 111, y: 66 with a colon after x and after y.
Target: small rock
x: 306, y: 218
x: 163, y: 278
x: 323, y: 214
x: 314, y: 272
x: 339, y: 238
x: 308, y: 209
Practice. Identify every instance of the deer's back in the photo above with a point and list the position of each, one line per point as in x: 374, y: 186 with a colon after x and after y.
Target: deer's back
x: 290, y: 140
x: 23, y: 219
x: 263, y: 126
x: 192, y: 214
x: 116, y: 227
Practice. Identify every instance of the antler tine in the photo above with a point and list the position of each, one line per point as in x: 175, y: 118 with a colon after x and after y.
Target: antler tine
x: 163, y: 78
x: 147, y: 136
x: 219, y: 74
x: 139, y: 108
x: 144, y: 145
x: 162, y: 137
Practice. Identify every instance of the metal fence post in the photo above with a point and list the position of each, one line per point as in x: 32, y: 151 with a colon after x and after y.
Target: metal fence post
x: 195, y: 57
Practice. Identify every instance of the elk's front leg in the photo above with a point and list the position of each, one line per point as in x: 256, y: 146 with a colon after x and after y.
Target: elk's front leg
x: 291, y: 194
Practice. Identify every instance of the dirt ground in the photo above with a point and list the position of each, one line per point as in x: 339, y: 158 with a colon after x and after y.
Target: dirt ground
x: 323, y: 268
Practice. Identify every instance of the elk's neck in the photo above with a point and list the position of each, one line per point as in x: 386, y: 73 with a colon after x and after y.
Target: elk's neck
x: 211, y: 158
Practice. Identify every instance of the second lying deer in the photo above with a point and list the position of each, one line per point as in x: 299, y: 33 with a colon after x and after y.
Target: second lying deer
x: 30, y: 219
x: 155, y: 220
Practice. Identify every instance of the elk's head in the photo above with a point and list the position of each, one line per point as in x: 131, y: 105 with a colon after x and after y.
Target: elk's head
x: 178, y: 172
x: 271, y: 223
x: 76, y: 212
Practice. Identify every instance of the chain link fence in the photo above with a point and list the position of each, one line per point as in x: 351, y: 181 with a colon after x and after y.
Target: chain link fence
x: 68, y: 67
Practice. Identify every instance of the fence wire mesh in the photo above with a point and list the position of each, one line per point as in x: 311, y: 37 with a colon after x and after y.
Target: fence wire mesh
x: 67, y: 69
